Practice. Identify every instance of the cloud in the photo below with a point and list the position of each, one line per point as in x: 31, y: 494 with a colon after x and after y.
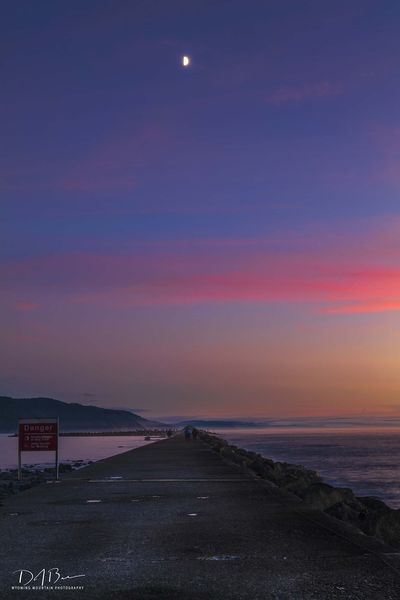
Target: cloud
x: 338, y: 272
x: 367, y: 307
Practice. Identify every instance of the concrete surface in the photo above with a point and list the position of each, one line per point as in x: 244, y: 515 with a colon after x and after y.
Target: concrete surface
x: 177, y: 522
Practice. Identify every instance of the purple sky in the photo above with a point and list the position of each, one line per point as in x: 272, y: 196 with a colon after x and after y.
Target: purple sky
x: 217, y: 240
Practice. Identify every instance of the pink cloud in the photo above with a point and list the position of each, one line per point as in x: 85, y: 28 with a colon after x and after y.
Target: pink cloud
x: 298, y: 93
x: 368, y: 307
x: 339, y: 273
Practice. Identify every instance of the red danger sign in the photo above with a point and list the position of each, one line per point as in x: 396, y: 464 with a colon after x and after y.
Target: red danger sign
x: 38, y: 435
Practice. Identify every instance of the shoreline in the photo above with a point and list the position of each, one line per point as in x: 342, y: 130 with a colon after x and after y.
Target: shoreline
x: 33, y: 475
x: 366, y: 514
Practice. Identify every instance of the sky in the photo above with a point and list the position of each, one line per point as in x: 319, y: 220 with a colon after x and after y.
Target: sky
x: 217, y: 240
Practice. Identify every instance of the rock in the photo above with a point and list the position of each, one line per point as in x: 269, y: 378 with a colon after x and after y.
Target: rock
x: 350, y: 512
x: 262, y: 468
x: 369, y: 514
x: 65, y: 467
x: 299, y: 485
x: 295, y: 478
x: 384, y: 524
x: 226, y: 452
x: 322, y: 496
x: 6, y: 487
x: 25, y: 486
x: 372, y: 503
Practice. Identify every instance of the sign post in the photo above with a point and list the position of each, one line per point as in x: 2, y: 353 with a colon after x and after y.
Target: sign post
x: 37, y: 435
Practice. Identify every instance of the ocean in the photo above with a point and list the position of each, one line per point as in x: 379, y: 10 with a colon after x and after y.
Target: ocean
x: 368, y: 461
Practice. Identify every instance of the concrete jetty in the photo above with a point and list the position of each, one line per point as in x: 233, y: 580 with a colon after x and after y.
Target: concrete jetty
x: 172, y: 520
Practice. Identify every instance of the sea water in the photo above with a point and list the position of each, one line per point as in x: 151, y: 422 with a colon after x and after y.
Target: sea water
x: 368, y: 461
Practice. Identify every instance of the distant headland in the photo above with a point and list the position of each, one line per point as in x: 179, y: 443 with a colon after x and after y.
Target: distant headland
x: 73, y: 416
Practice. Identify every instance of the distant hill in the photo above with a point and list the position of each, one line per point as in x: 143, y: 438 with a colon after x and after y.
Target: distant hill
x: 217, y: 423
x: 73, y: 416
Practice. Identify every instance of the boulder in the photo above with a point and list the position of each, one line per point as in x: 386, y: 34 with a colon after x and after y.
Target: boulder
x: 384, y: 524
x: 372, y: 503
x: 370, y: 515
x: 66, y: 467
x: 322, y: 496
x: 351, y: 512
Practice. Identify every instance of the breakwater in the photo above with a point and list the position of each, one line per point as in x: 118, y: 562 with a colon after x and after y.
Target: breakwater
x: 368, y: 514
x: 172, y: 520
